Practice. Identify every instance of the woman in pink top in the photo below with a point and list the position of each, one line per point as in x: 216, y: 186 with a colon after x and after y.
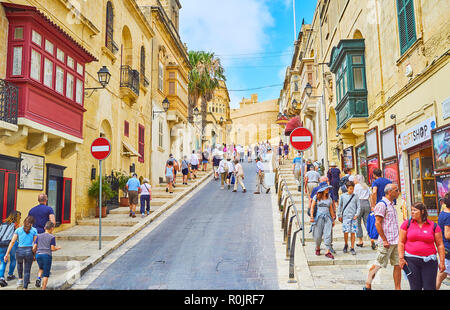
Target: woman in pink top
x: 417, y: 249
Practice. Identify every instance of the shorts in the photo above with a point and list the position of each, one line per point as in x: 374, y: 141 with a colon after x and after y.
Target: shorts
x: 385, y: 255
x: 194, y: 167
x: 185, y: 171
x: 45, y: 263
x: 205, y: 162
x: 350, y: 226
x: 447, y: 266
x: 133, y: 197
x: 169, y: 179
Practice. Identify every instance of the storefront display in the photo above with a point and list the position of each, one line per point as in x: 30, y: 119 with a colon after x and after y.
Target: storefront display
x: 442, y: 185
x: 348, y: 158
x: 441, y: 149
x: 388, y: 143
x: 390, y: 171
x: 372, y: 164
x: 361, y: 161
x: 372, y: 142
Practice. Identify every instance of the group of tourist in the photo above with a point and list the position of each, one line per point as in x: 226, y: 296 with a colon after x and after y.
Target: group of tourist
x: 419, y: 246
x: 21, y: 245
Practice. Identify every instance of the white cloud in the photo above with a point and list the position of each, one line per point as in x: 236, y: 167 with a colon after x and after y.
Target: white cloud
x: 226, y: 27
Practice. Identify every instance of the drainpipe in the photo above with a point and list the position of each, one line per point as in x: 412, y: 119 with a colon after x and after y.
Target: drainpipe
x: 151, y: 113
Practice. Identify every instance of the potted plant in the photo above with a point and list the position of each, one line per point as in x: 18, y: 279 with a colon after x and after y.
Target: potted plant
x: 107, y: 193
x: 123, y: 179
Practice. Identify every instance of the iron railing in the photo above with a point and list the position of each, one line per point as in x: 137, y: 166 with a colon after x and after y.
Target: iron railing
x: 285, y: 203
x: 113, y: 181
x: 111, y: 45
x: 129, y: 78
x: 9, y: 102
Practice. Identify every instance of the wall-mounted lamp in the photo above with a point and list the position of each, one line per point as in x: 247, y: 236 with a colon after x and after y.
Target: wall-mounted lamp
x: 165, y: 105
x: 393, y: 116
x: 93, y: 173
x: 132, y: 168
x: 103, y: 78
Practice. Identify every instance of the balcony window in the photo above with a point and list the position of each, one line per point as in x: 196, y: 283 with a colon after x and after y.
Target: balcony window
x: 161, y: 77
x: 60, y: 55
x: 17, y: 60
x: 48, y: 73
x: 59, y: 81
x: 35, y: 70
x: 18, y: 33
x: 69, y: 86
x: 49, y: 47
x: 36, y: 38
x: 70, y: 62
x: 79, y: 92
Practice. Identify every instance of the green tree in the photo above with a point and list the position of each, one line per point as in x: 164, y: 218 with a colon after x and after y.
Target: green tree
x: 204, y: 79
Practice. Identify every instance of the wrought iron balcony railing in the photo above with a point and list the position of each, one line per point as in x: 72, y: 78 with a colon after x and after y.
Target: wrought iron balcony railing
x: 9, y: 102
x: 111, y: 45
x: 129, y: 78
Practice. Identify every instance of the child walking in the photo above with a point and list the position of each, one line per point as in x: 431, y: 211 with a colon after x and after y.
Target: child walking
x: 348, y: 212
x: 26, y: 235
x: 43, y: 247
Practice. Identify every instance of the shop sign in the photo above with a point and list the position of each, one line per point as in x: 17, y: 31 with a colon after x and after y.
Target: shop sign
x: 417, y: 134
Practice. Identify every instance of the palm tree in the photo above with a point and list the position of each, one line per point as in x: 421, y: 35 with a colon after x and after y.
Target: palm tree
x: 204, y: 79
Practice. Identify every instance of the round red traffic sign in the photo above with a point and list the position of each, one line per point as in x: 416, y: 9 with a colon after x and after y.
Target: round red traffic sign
x: 100, y: 148
x: 301, y: 139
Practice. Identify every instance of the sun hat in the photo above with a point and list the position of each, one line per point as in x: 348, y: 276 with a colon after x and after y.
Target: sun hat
x: 145, y: 180
x: 333, y: 164
x: 324, y: 188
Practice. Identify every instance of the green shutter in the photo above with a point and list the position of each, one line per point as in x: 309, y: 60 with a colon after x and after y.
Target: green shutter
x: 406, y: 24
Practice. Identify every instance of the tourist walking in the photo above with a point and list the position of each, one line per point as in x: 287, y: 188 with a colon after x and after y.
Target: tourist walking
x: 363, y: 192
x: 348, y: 212
x: 444, y: 224
x: 230, y: 171
x: 334, y: 175
x: 378, y: 186
x: 417, y: 250
x: 43, y: 247
x: 133, y: 189
x: 42, y: 213
x: 241, y: 154
x: 249, y: 154
x: 169, y: 177
x: 323, y: 182
x: 286, y: 151
x: 312, y: 178
x: 185, y: 169
x: 345, y: 179
x: 194, y: 164
x: 146, y: 193
x: 322, y: 220
x: 260, y: 177
x: 387, y: 227
x: 223, y: 171
x: 26, y: 236
x: 9, y: 225
x: 176, y: 168
x: 239, y: 175
x: 205, y: 160
x: 298, y: 165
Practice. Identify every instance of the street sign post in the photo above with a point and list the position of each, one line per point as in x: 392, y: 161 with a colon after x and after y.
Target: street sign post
x: 100, y: 150
x: 302, y: 139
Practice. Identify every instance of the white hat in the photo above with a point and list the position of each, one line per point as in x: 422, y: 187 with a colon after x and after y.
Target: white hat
x: 333, y: 164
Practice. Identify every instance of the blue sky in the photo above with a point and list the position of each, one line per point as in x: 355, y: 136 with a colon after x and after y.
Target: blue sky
x: 253, y: 38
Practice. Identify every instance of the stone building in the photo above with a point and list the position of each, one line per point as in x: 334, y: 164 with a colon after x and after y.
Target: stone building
x: 254, y: 122
x: 381, y: 68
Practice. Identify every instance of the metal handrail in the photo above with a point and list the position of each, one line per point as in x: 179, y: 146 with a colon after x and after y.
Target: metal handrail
x: 290, y: 241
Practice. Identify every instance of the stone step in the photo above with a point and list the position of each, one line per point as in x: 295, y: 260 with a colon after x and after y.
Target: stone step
x: 127, y: 210
x: 110, y: 220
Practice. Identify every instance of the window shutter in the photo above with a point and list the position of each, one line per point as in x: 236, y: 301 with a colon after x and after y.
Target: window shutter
x: 406, y: 24
x: 126, y: 129
x: 66, y: 201
x: 141, y: 143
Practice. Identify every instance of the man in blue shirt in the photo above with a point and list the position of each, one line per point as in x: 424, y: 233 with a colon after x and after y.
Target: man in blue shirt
x: 133, y: 188
x: 297, y: 169
x: 378, y: 186
x: 42, y: 214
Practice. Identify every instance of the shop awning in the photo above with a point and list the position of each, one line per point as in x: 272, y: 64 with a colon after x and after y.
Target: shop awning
x: 128, y: 150
x: 292, y: 124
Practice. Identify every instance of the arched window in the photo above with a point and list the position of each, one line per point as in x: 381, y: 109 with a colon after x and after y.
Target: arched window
x: 110, y: 44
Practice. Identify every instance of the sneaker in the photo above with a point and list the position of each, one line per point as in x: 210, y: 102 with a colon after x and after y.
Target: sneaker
x: 3, y: 282
x: 174, y: 186
x: 374, y: 246
x: 38, y: 282
x: 148, y: 213
x: 133, y: 215
x: 345, y: 249
x: 329, y: 255
x: 267, y: 191
x: 360, y: 245
x: 234, y: 191
x: 10, y: 277
x: 20, y: 284
x: 222, y: 187
x: 352, y: 251
x: 257, y: 193
x: 244, y: 191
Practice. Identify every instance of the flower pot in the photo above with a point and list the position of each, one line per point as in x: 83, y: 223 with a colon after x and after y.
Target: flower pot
x: 124, y: 202
x: 103, y: 212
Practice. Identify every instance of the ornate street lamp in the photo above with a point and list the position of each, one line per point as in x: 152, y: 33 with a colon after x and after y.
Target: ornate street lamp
x: 196, y: 112
x: 103, y: 78
x: 165, y: 105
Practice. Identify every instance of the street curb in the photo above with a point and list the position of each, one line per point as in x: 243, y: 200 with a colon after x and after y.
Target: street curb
x: 65, y: 281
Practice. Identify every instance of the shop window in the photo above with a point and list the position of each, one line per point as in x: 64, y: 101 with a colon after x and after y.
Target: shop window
x: 406, y: 24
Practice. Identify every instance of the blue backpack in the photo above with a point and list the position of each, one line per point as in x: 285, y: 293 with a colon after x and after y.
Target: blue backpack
x: 371, y: 229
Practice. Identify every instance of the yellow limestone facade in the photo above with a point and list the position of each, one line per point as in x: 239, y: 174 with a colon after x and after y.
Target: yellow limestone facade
x: 254, y: 122
x: 404, y: 76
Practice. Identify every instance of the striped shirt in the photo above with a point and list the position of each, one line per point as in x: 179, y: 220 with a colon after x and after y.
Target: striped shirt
x: 390, y: 221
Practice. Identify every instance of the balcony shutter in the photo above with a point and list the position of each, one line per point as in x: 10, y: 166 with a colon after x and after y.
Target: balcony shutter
x: 66, y: 201
x: 406, y: 24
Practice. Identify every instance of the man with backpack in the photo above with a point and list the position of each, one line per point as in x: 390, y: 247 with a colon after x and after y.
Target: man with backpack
x: 388, y: 230
x: 344, y: 180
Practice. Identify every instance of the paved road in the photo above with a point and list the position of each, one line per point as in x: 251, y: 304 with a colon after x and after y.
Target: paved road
x: 216, y: 240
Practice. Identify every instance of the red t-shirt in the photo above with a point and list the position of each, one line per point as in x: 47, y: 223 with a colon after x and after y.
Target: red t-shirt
x: 420, y: 241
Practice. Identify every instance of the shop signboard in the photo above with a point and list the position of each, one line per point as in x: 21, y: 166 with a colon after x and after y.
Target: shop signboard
x: 417, y: 134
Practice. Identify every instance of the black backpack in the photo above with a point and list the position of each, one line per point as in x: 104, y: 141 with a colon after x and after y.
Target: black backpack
x: 342, y: 184
x: 6, y: 234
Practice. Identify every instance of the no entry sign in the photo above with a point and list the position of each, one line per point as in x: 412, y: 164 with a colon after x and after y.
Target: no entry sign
x: 301, y: 139
x: 100, y: 148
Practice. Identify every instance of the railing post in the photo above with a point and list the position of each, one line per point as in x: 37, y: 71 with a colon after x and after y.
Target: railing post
x: 286, y: 222
x: 288, y: 243
x: 292, y: 259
